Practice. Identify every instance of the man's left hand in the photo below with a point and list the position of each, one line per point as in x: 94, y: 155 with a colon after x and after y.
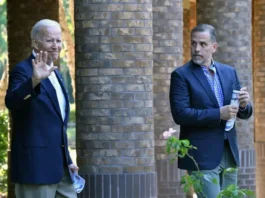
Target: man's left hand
x: 73, y: 168
x: 243, y: 97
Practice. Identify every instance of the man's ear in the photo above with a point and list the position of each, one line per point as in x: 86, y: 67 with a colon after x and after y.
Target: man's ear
x: 215, y: 45
x: 35, y: 43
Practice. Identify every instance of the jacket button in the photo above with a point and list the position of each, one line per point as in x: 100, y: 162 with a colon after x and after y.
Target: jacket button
x: 63, y: 146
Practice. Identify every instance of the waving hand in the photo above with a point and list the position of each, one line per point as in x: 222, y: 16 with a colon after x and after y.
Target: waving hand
x: 40, y: 69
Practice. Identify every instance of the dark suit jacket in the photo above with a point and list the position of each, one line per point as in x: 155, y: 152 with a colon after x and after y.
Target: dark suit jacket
x: 195, y: 108
x: 39, y: 148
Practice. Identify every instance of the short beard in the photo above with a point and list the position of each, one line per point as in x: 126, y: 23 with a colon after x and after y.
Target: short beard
x: 198, y: 62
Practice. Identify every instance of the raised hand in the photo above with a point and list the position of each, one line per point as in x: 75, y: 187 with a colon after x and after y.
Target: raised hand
x: 40, y: 69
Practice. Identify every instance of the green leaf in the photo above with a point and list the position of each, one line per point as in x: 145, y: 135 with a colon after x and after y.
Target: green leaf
x: 241, y: 193
x: 185, y: 142
x: 172, y: 159
x: 215, y: 181
x: 235, y: 193
x: 168, y: 149
x: 186, y: 189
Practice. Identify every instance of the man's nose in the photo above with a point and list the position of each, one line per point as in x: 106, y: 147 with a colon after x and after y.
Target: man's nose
x: 54, y: 44
x: 197, y: 48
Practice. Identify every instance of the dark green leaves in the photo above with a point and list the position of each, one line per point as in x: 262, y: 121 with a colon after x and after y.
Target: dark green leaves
x: 3, y: 150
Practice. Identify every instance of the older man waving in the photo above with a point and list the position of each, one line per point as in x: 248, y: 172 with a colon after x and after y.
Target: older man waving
x: 39, y: 106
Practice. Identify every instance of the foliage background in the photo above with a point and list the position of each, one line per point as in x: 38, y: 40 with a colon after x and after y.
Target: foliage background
x: 3, y: 37
x: 3, y: 150
x: 3, y: 114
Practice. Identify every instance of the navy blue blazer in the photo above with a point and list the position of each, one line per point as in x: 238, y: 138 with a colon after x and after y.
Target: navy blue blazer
x: 195, y: 108
x: 39, y: 148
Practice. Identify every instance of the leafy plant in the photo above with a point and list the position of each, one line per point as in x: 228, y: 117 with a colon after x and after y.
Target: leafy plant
x: 3, y: 150
x: 180, y: 148
x: 188, y: 181
x: 3, y: 37
x: 233, y: 191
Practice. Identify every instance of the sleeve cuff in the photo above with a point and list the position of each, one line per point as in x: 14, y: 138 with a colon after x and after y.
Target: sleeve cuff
x: 69, y: 161
x: 243, y: 109
x: 26, y: 90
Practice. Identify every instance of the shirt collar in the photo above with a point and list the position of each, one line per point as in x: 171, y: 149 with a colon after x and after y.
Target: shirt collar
x: 211, y: 67
x: 33, y: 53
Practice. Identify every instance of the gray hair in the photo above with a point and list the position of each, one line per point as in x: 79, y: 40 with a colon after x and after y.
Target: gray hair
x: 39, y: 25
x: 206, y: 28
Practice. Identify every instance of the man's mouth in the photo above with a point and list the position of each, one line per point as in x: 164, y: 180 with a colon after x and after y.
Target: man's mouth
x: 54, y: 53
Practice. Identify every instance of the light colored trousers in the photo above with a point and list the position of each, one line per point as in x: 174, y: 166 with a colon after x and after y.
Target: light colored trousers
x: 64, y: 189
x: 210, y: 189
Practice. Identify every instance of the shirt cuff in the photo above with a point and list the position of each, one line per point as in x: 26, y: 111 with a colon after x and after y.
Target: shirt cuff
x: 243, y: 109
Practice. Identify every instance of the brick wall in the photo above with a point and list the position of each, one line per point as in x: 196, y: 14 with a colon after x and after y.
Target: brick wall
x: 193, y: 13
x: 168, y: 178
x: 168, y: 54
x: 186, y: 35
x: 258, y: 31
x: 189, y: 22
x: 247, y: 171
x: 260, y: 169
x: 232, y: 20
x: 114, y: 101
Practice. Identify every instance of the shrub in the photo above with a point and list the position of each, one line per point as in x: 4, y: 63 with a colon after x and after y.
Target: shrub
x: 3, y: 150
x: 180, y: 148
x: 72, y: 113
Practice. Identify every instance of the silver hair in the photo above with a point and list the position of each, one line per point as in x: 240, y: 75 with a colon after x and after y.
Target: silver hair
x: 39, y: 25
x: 205, y: 28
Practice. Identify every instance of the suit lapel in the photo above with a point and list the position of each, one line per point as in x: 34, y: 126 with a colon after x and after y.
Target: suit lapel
x: 226, y: 88
x: 198, y: 72
x: 52, y: 94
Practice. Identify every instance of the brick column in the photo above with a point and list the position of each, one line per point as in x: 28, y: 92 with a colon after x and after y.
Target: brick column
x: 114, y: 106
x: 186, y: 34
x: 258, y: 30
x: 21, y: 16
x: 193, y: 13
x: 189, y: 22
x: 232, y: 20
x: 168, y: 54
